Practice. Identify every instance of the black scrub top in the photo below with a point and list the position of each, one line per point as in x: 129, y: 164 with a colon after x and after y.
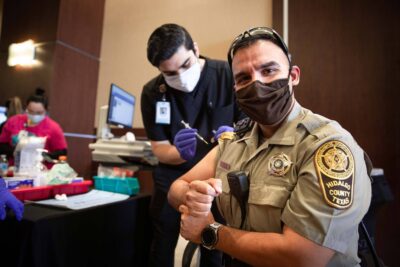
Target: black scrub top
x: 211, y: 104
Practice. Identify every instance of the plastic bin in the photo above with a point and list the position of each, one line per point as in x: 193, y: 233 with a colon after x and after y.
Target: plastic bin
x: 127, y: 186
x: 32, y: 193
x: 49, y: 191
x: 71, y: 189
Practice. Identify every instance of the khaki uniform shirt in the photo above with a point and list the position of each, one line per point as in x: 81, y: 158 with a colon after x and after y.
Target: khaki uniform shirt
x: 324, y: 210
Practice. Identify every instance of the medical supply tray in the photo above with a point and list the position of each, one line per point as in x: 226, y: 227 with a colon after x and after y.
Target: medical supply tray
x: 127, y: 185
x: 49, y: 191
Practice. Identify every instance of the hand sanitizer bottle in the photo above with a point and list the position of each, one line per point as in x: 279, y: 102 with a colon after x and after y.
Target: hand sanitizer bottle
x: 40, y: 170
x: 3, y: 165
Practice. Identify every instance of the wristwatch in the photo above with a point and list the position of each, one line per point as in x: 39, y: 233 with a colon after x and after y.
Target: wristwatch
x: 209, y: 235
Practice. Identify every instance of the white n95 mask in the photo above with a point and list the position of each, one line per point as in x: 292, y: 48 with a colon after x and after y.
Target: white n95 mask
x: 185, y: 81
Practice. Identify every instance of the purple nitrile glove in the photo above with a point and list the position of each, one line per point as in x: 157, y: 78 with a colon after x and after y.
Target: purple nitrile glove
x: 222, y: 129
x: 7, y: 199
x: 186, y: 143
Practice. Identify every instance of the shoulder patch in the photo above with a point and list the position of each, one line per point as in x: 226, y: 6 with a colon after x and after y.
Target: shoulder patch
x: 334, y: 164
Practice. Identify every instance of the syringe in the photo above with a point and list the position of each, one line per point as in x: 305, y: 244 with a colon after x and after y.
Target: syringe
x: 187, y: 126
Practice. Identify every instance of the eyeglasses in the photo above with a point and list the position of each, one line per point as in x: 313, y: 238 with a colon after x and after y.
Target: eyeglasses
x: 255, y: 34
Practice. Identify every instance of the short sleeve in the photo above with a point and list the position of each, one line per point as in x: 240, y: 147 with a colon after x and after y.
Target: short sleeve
x: 5, y: 136
x: 57, y: 139
x: 311, y: 213
x: 148, y: 102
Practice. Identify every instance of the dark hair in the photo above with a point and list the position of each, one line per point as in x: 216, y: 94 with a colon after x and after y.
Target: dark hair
x: 165, y: 41
x: 38, y: 97
x: 253, y: 35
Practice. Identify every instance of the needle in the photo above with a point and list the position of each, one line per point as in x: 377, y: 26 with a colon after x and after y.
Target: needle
x: 197, y: 135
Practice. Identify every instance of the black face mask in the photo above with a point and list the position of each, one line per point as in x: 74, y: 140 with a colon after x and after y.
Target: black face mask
x: 266, y: 103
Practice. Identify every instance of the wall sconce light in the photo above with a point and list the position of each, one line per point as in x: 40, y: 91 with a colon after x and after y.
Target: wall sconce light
x: 22, y: 54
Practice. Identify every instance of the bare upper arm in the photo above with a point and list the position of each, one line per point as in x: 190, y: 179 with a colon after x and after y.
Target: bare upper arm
x: 204, y: 169
x: 307, y: 250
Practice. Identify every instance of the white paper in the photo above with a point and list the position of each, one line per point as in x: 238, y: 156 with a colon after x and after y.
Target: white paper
x: 90, y: 199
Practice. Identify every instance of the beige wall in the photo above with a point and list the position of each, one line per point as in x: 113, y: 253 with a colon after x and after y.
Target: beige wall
x: 128, y: 24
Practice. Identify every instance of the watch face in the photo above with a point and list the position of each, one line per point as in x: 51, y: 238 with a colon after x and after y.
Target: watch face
x: 208, y: 237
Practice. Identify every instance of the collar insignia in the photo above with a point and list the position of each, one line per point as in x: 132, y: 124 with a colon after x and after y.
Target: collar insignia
x: 227, y: 136
x: 279, y: 164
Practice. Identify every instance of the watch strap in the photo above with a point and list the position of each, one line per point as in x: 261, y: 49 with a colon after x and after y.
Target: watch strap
x: 211, y: 229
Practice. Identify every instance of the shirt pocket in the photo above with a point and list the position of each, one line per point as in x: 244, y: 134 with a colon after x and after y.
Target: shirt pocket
x: 269, y: 194
x: 265, y: 205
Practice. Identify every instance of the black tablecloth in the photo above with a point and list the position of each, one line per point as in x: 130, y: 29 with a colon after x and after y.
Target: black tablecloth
x: 116, y: 234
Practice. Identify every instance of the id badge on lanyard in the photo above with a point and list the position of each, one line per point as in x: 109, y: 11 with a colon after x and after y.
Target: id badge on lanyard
x: 163, y: 112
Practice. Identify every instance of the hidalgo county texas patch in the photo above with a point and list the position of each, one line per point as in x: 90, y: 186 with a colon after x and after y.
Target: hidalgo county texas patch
x: 279, y: 164
x: 334, y: 164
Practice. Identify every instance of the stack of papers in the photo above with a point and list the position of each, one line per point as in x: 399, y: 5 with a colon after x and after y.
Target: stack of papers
x: 90, y: 199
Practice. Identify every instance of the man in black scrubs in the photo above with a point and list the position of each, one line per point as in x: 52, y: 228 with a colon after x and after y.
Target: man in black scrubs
x: 199, y: 92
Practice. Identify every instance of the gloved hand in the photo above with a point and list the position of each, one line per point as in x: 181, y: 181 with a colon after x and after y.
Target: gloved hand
x: 7, y: 199
x: 186, y: 143
x: 17, y: 137
x: 222, y: 129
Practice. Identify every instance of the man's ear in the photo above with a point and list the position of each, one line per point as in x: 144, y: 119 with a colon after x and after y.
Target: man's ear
x: 196, y: 49
x: 295, y: 75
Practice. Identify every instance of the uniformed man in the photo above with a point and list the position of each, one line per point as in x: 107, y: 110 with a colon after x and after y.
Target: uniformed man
x: 194, y: 92
x: 294, y: 184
